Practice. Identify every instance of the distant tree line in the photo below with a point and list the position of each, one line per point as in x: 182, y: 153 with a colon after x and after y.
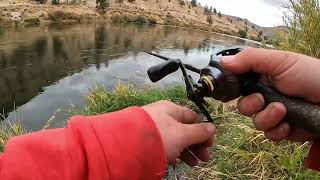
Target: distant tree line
x: 209, y: 12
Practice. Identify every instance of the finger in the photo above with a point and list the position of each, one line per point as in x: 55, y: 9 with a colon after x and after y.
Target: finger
x: 200, y: 151
x: 251, y: 104
x: 270, y: 117
x: 208, y: 143
x: 263, y: 61
x: 278, y: 133
x: 180, y: 113
x: 188, y: 157
x: 197, y: 134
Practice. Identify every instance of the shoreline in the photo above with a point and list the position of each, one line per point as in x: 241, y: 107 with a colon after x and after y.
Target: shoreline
x: 36, y: 14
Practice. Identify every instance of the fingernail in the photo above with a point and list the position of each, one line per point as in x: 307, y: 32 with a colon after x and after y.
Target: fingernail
x: 210, y: 128
x: 260, y: 98
x: 227, y: 59
x: 275, y: 108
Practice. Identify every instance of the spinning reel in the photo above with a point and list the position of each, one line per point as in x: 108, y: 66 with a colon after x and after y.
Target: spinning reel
x: 214, y: 82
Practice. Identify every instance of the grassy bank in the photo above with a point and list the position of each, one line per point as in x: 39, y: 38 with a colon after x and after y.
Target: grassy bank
x: 240, y: 152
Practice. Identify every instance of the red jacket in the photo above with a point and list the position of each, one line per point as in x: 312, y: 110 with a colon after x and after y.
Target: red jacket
x: 120, y: 145
x: 313, y: 160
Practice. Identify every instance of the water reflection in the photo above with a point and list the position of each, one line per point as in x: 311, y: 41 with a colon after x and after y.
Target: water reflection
x: 45, y: 69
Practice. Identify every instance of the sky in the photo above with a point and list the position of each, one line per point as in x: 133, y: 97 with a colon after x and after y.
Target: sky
x: 266, y: 13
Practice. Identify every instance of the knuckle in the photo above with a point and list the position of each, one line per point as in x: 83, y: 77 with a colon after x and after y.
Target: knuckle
x: 286, y: 55
x: 247, y: 105
x: 248, y: 50
x: 166, y: 102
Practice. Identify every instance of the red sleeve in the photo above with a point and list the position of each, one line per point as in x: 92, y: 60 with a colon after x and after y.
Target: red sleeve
x: 313, y: 159
x: 119, y: 145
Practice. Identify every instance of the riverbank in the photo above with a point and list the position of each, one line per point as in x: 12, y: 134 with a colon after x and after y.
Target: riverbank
x: 173, y: 12
x: 36, y: 14
x: 240, y: 151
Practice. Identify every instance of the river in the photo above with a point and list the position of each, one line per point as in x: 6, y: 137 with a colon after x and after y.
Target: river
x: 46, y: 71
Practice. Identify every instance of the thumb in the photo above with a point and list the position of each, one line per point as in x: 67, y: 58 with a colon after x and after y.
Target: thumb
x: 197, y: 133
x: 262, y: 61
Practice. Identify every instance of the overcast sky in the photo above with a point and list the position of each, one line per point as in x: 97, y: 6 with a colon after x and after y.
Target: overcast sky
x: 262, y: 12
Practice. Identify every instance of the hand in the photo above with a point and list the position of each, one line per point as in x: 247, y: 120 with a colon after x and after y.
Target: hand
x: 290, y: 73
x: 180, y: 129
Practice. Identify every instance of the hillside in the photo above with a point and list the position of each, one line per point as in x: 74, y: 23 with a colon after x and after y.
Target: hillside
x: 169, y: 12
x: 264, y: 31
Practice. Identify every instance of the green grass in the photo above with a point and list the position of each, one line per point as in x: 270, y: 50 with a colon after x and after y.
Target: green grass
x: 240, y: 151
x: 102, y: 101
x: 8, y: 131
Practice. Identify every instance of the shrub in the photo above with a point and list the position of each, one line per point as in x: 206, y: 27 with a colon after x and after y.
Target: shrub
x: 141, y: 20
x: 182, y: 3
x: 206, y: 10
x: 303, y: 25
x: 219, y: 14
x: 41, y: 1
x: 59, y: 16
x: 152, y: 20
x: 242, y: 33
x: 55, y: 2
x: 32, y: 21
x: 194, y: 3
x: 102, y: 5
x: 209, y: 19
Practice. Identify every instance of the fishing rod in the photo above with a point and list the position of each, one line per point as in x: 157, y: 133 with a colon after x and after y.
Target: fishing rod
x: 220, y: 84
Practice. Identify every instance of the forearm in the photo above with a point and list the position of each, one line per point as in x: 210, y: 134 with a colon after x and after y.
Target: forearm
x: 118, y: 145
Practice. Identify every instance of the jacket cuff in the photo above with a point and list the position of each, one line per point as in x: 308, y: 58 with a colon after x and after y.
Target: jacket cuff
x: 313, y: 159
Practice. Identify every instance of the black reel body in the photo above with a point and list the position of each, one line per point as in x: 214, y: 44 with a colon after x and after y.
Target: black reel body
x: 220, y: 84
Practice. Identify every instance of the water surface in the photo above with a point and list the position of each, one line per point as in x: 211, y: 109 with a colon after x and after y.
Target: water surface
x: 46, y: 71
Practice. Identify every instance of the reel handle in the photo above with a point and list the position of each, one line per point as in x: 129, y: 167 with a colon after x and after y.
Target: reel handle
x: 160, y: 71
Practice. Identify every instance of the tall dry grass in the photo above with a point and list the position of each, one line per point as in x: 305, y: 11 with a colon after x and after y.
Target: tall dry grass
x: 302, y: 19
